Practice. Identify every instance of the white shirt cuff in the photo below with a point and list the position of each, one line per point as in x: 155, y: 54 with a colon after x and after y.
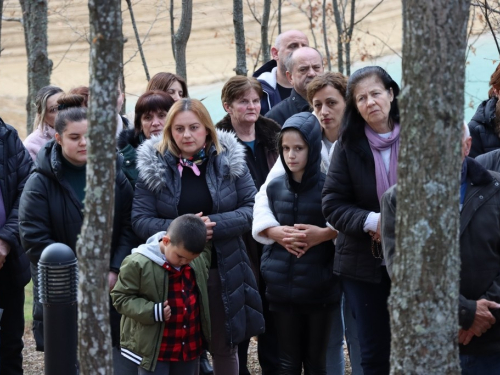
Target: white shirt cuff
x: 371, y: 222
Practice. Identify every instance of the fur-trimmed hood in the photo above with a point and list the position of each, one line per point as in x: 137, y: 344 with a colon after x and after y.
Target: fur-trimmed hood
x: 153, y: 167
x: 266, y: 130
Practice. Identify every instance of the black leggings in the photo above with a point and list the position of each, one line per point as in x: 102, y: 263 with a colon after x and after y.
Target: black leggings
x: 302, y: 340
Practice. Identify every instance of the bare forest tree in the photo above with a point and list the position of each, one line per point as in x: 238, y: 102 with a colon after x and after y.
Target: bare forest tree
x: 264, y: 27
x: 39, y: 65
x: 425, y: 288
x: 491, y: 13
x: 239, y: 38
x: 181, y: 36
x: 344, y: 12
x: 1, y: 16
x: 93, y: 246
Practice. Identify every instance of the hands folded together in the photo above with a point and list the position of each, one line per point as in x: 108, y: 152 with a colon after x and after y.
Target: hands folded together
x: 299, y: 238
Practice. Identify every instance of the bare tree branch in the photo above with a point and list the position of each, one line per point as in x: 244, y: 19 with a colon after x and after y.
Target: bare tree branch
x: 12, y: 19
x: 367, y: 14
x: 485, y: 12
x: 383, y: 42
x: 139, y: 44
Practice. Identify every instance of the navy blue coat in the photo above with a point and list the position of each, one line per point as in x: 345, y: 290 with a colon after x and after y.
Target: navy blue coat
x: 231, y: 186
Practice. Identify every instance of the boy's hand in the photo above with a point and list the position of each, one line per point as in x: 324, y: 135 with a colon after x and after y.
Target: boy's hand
x: 166, y: 311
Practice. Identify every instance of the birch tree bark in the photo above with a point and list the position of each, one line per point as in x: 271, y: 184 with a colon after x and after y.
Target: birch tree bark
x: 239, y: 38
x: 425, y: 289
x: 93, y: 246
x: 181, y: 37
x: 39, y: 65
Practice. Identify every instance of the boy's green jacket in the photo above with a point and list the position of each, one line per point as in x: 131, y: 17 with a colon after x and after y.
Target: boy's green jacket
x: 143, y: 284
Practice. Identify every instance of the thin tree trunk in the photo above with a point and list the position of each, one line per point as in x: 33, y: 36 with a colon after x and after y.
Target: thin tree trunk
x: 172, y: 29
x: 349, y: 38
x: 39, y: 65
x: 340, y: 33
x: 325, y: 37
x: 425, y: 289
x: 1, y: 14
x: 93, y: 246
x: 138, y: 39
x: 181, y: 38
x: 239, y: 38
x: 264, y: 31
x: 279, y: 16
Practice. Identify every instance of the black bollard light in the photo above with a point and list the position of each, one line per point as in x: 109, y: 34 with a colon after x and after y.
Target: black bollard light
x: 58, y: 283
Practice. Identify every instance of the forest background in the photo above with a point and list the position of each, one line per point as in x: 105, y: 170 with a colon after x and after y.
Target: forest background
x: 211, y: 56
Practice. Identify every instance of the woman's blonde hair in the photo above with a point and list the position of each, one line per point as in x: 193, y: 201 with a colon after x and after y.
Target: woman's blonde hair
x: 167, y: 142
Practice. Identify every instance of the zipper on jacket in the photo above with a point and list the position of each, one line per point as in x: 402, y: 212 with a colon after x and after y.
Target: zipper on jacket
x: 157, y: 349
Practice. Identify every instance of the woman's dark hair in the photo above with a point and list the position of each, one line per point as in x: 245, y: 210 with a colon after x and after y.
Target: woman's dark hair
x: 151, y: 101
x: 352, y: 125
x: 83, y: 91
x: 70, y: 110
x: 41, y: 102
x: 163, y: 80
x: 494, y: 82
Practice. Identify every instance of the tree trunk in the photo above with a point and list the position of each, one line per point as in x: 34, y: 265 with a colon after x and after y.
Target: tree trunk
x: 325, y: 37
x: 172, y: 29
x: 348, y: 39
x: 39, y: 65
x: 264, y: 31
x: 93, y: 246
x: 279, y: 16
x: 239, y: 38
x: 425, y: 289
x: 181, y: 38
x: 340, y: 33
x: 1, y: 14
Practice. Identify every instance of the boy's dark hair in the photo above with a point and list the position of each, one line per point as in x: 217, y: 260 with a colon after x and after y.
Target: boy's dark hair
x: 190, y: 232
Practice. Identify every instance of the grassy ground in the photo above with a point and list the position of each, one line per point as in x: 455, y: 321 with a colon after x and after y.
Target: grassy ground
x: 28, y: 303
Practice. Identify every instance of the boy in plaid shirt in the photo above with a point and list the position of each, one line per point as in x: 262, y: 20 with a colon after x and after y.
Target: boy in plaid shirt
x: 162, y: 294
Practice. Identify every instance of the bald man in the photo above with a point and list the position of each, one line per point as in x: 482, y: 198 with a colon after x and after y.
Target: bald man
x: 302, y: 66
x: 272, y: 75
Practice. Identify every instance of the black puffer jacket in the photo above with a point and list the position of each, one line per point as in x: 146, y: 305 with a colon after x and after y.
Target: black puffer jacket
x: 349, y: 195
x: 482, y: 129
x: 295, y: 282
x: 156, y: 197
x: 288, y: 107
x: 259, y: 164
x: 50, y: 211
x: 16, y: 165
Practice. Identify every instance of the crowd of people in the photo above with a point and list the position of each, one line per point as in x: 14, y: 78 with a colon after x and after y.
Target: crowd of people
x: 266, y: 224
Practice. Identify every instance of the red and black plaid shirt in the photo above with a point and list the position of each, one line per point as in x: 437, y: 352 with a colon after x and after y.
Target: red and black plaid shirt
x: 182, y: 334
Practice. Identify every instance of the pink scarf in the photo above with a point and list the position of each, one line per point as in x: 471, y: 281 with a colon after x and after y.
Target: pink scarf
x: 384, y: 180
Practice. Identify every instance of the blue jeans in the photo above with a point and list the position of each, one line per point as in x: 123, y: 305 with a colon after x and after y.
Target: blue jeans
x: 343, y: 325
x: 480, y: 364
